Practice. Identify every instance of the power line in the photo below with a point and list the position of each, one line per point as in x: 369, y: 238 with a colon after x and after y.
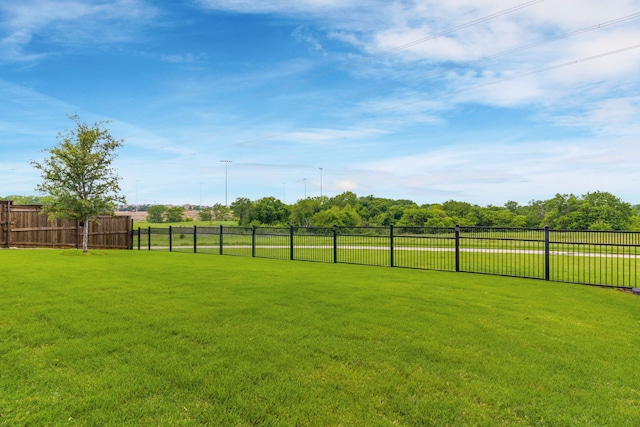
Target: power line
x: 538, y: 43
x: 519, y: 76
x: 495, y: 82
x: 460, y: 27
x: 290, y: 83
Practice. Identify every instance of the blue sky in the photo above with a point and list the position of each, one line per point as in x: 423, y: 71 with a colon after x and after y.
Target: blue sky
x: 482, y: 101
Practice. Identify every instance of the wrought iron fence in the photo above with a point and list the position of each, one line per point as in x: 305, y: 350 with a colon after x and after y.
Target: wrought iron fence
x: 601, y: 258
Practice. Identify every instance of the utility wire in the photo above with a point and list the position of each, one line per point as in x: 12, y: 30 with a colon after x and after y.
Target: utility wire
x: 460, y: 27
x: 289, y: 83
x: 510, y: 51
x: 519, y: 76
x: 492, y: 83
x: 489, y: 57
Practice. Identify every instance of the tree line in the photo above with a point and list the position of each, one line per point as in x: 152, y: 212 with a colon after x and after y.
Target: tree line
x: 592, y: 211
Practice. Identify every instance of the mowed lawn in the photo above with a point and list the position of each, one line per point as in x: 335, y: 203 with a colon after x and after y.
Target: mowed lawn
x: 140, y: 338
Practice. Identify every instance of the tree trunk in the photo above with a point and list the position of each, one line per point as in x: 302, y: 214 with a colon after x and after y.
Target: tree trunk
x: 85, y: 235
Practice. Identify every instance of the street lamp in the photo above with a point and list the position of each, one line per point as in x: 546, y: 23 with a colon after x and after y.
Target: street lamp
x: 137, y: 181
x: 305, y: 187
x: 320, y: 185
x: 226, y: 163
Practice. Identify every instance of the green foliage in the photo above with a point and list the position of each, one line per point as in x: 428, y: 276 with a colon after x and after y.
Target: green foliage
x: 242, y: 208
x: 304, y: 210
x: 602, y: 209
x: 269, y: 211
x: 344, y: 217
x: 221, y: 212
x: 78, y: 175
x: 598, y: 210
x: 155, y: 214
x: 174, y: 214
x: 26, y: 200
x: 205, y: 214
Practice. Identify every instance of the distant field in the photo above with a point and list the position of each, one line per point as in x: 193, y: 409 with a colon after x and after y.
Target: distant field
x: 153, y: 338
x: 145, y: 224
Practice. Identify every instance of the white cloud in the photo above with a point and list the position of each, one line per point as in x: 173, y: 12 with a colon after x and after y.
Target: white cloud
x: 72, y: 22
x: 520, y: 172
x: 302, y: 34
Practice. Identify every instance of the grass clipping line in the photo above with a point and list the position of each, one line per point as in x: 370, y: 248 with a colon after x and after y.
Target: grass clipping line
x: 171, y: 339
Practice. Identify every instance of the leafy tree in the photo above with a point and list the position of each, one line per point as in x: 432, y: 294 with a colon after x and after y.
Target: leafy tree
x: 174, y: 214
x: 270, y: 210
x: 514, y: 207
x: 205, y: 214
x: 79, y: 177
x: 604, y: 211
x: 343, y: 199
x: 221, y: 212
x: 155, y: 214
x: 343, y: 217
x: 561, y: 212
x: 438, y: 217
x: 304, y: 210
x: 381, y: 211
x: 535, y: 213
x: 242, y: 209
x: 414, y: 217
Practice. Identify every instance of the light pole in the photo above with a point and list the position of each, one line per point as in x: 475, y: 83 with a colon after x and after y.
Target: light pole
x: 320, y: 185
x: 137, y: 181
x: 226, y: 163
x: 305, y: 187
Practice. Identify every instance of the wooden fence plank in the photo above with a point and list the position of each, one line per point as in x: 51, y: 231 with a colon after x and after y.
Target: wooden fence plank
x: 26, y: 226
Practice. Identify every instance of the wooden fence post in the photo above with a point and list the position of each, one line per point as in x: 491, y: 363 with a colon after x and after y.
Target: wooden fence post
x: 8, y: 222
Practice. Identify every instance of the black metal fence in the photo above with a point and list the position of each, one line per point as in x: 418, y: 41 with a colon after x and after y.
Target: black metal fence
x: 601, y: 258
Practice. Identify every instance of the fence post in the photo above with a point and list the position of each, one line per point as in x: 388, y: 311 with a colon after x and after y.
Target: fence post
x: 9, y: 224
x: 291, y: 255
x: 547, y: 257
x: 9, y: 203
x: 335, y: 244
x: 221, y: 246
x: 170, y: 238
x: 457, y: 237
x: 195, y: 238
x: 5, y: 222
x: 149, y: 238
x: 253, y: 241
x: 139, y: 238
x: 131, y: 233
x: 391, y: 245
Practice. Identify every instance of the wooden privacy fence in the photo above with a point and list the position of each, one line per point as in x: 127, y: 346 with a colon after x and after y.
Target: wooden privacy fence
x: 25, y: 226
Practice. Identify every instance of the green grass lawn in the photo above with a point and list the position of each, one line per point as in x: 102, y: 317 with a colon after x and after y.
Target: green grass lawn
x: 155, y: 338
